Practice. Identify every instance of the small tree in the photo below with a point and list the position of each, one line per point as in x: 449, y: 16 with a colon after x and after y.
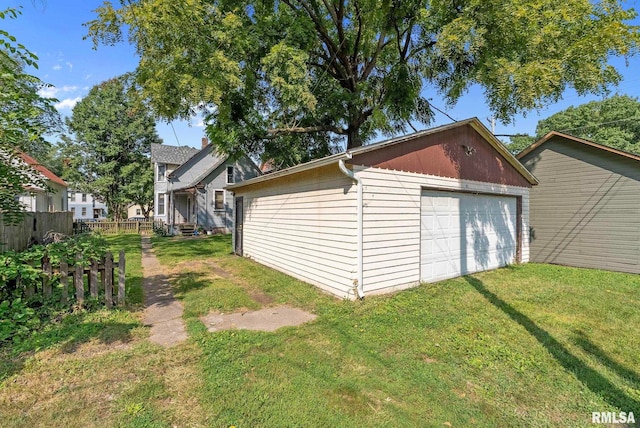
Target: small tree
x: 109, y: 153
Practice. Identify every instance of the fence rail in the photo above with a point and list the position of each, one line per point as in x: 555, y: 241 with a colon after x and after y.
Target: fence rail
x: 101, y: 275
x: 116, y: 227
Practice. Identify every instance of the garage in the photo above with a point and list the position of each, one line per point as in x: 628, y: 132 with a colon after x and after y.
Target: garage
x: 380, y: 218
x: 463, y: 233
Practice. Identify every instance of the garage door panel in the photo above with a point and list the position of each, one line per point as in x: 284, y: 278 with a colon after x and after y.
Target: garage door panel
x: 463, y: 233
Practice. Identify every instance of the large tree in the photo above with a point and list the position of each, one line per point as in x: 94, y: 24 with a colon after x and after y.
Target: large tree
x: 614, y: 122
x: 25, y: 118
x: 294, y: 76
x: 109, y: 152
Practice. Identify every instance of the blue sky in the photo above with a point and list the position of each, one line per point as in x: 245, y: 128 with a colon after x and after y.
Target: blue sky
x: 53, y: 30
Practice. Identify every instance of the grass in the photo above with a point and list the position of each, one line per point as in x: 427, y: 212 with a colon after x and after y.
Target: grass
x: 531, y: 345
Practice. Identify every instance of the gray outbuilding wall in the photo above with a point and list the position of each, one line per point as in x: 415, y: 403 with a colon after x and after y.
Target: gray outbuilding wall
x: 586, y: 210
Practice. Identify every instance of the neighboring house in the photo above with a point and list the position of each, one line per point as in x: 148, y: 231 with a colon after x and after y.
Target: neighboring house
x: 586, y: 210
x: 134, y: 212
x: 85, y: 206
x: 37, y: 198
x: 189, y: 186
x: 420, y: 208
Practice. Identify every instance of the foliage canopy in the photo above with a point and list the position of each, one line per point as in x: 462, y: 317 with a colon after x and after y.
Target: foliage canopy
x: 109, y: 156
x: 289, y: 79
x: 613, y: 122
x: 25, y: 117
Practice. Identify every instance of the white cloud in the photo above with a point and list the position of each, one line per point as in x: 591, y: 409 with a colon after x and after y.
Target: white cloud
x: 52, y: 91
x: 69, y: 65
x: 48, y: 92
x: 67, y: 103
x: 57, y: 67
x: 199, y: 124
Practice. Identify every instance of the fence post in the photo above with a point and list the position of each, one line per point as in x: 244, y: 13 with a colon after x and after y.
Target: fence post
x: 108, y: 279
x: 78, y: 279
x: 46, y: 278
x: 93, y: 279
x: 64, y: 281
x: 121, y: 271
x: 138, y: 227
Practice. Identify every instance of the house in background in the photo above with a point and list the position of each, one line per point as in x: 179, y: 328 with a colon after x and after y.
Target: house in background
x: 428, y: 206
x: 134, y: 212
x: 586, y: 210
x: 189, y: 187
x: 36, y: 198
x: 85, y: 206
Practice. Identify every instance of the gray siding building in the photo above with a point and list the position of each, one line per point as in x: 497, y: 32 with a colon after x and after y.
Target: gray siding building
x: 586, y: 210
x: 190, y: 186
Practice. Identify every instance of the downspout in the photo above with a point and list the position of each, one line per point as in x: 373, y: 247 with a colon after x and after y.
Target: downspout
x: 346, y: 171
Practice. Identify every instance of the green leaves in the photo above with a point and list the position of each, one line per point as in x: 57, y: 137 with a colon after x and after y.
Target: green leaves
x: 268, y: 76
x: 25, y: 117
x: 614, y: 122
x: 109, y: 154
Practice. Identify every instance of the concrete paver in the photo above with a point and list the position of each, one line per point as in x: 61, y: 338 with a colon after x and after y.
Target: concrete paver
x: 163, y: 312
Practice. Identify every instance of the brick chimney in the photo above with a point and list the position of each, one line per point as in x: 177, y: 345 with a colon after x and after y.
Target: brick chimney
x: 205, y: 142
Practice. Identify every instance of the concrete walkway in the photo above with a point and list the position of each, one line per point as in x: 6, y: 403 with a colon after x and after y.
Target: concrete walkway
x: 163, y: 313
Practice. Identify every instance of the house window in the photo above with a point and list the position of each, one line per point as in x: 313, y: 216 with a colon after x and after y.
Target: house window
x: 138, y: 211
x: 230, y: 174
x: 50, y: 205
x: 84, y: 212
x: 218, y: 200
x: 72, y: 196
x: 84, y: 197
x: 160, y: 203
x: 162, y: 172
x: 73, y: 211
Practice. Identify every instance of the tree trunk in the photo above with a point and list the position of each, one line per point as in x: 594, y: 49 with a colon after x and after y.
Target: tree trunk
x: 353, y: 138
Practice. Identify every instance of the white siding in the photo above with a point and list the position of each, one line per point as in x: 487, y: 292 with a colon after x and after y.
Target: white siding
x: 306, y: 226
x: 391, y: 248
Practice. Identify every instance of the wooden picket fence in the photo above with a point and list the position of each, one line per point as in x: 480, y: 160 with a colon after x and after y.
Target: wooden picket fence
x: 101, y: 276
x: 117, y: 227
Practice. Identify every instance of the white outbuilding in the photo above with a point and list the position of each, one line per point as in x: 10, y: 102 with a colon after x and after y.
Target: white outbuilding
x: 432, y: 205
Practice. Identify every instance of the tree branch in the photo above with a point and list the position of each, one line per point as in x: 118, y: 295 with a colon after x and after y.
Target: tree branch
x: 272, y: 133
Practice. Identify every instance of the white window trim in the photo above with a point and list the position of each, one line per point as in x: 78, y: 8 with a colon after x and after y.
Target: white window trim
x: 224, y: 200
x: 164, y: 207
x: 158, y: 172
x: 226, y: 174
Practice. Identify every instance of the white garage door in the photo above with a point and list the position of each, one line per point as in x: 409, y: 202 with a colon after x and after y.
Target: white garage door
x: 462, y: 233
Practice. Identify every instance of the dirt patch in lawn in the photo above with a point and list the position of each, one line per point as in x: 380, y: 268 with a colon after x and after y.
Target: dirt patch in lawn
x: 267, y: 319
x: 209, y: 267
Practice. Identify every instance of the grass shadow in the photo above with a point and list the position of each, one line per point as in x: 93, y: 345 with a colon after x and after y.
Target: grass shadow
x: 68, y: 334
x: 589, y: 377
x: 589, y: 347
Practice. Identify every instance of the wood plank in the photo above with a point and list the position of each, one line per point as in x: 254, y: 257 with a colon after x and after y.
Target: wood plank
x: 121, y: 276
x: 46, y: 278
x: 107, y: 275
x: 78, y: 279
x: 93, y: 279
x: 64, y: 281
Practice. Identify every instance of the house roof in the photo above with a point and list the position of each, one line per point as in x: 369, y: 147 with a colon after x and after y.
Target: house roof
x: 216, y: 161
x: 176, y: 155
x: 473, y: 122
x: 552, y: 134
x: 41, y: 169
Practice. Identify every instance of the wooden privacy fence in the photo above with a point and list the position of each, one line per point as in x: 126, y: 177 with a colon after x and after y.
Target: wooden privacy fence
x: 116, y: 227
x: 101, y: 276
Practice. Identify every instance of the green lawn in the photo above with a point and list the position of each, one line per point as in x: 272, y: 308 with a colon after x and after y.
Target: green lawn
x: 531, y: 345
